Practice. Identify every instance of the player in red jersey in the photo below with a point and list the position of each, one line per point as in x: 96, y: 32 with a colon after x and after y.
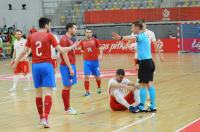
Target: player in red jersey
x: 68, y: 67
x: 42, y: 69
x: 92, y: 53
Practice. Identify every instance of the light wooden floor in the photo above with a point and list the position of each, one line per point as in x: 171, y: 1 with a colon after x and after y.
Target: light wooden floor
x: 177, y: 81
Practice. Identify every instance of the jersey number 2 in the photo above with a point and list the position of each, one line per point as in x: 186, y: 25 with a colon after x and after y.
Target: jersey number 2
x: 38, y: 46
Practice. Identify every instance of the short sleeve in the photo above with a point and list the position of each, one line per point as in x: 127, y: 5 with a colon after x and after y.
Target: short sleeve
x: 14, y: 43
x: 126, y: 81
x: 64, y: 42
x: 111, y: 81
x: 28, y: 42
x: 53, y: 41
x: 97, y: 43
x: 153, y: 38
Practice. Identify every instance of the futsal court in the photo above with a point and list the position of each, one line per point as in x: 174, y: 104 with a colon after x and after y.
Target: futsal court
x: 176, y: 81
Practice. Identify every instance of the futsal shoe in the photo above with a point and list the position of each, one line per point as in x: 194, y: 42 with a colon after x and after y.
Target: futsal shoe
x: 45, y: 123
x: 71, y: 111
x: 151, y: 109
x: 140, y: 108
x: 12, y: 90
x: 133, y: 109
x: 87, y: 94
x: 98, y: 90
x: 27, y: 88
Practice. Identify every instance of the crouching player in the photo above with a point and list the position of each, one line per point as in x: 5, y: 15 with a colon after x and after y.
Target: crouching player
x: 122, y: 93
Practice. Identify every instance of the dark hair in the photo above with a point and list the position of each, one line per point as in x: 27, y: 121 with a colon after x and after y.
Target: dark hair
x: 138, y: 24
x: 88, y: 29
x: 18, y: 30
x: 43, y: 21
x: 141, y: 20
x: 120, y: 72
x: 69, y: 25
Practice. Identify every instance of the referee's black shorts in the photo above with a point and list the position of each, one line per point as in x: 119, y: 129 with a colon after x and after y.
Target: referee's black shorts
x: 146, y: 70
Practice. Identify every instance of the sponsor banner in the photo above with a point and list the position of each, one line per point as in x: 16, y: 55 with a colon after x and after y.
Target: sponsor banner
x: 190, y: 44
x: 153, y: 14
x: 116, y: 46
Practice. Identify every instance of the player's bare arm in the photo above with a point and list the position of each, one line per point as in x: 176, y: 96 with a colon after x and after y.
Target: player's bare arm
x: 126, y: 38
x: 67, y: 62
x: 21, y: 55
x: 66, y: 49
x: 101, y: 53
x: 14, y: 57
x: 156, y: 46
x: 118, y: 85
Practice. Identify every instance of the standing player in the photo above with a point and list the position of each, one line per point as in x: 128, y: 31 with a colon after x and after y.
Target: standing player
x: 68, y: 67
x: 92, y: 53
x: 23, y: 65
x: 121, y: 92
x: 42, y: 69
x: 146, y: 65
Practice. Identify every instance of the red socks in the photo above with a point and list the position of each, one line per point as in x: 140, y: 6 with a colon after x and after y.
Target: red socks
x: 66, y: 98
x: 98, y: 83
x: 39, y: 105
x: 87, y: 86
x: 47, y: 106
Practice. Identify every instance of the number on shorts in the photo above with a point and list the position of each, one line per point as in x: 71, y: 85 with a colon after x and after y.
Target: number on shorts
x: 38, y: 46
x: 89, y: 49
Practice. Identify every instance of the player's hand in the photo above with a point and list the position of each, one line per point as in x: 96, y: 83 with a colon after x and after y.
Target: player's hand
x: 161, y: 59
x: 116, y: 36
x: 71, y: 72
x: 14, y: 65
x: 12, y: 62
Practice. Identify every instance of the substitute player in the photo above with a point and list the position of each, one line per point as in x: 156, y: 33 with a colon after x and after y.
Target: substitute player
x: 146, y: 65
x: 92, y: 54
x: 23, y: 65
x: 68, y: 67
x: 121, y: 92
x: 42, y: 69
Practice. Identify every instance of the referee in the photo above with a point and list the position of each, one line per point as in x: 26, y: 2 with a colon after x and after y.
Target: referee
x: 146, y: 65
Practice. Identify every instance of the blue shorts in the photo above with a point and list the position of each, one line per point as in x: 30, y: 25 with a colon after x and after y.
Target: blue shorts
x: 91, y: 67
x: 66, y: 78
x: 43, y: 75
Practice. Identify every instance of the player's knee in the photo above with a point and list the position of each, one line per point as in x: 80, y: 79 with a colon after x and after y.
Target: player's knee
x: 141, y: 85
x: 86, y: 78
x: 149, y: 84
x: 67, y: 87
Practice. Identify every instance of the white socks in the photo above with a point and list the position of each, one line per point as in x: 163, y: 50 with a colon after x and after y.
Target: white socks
x: 120, y: 99
x: 28, y: 84
x: 137, y: 96
x: 15, y: 81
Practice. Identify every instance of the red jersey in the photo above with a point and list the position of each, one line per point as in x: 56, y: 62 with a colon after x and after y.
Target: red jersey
x: 67, y: 42
x: 40, y: 44
x: 90, y: 49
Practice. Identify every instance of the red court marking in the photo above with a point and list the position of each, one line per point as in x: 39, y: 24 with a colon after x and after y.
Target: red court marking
x: 104, y: 74
x: 191, y: 127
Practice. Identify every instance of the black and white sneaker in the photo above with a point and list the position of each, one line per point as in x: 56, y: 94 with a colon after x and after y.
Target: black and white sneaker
x: 141, y: 108
x: 151, y: 109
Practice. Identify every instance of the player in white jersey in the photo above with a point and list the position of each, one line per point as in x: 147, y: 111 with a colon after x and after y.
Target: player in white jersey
x: 123, y: 94
x: 23, y: 65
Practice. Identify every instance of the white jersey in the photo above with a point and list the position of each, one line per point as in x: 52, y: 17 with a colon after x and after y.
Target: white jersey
x: 150, y: 35
x: 53, y: 50
x: 113, y: 80
x: 19, y: 47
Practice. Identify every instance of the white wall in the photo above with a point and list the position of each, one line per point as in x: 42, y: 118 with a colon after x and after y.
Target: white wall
x: 23, y: 19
